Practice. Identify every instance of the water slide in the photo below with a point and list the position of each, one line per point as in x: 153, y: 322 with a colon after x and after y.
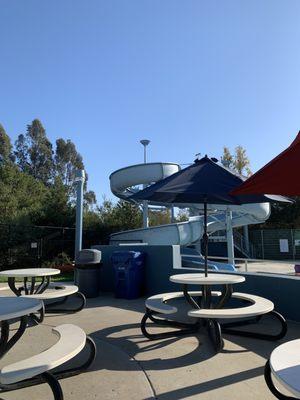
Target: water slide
x: 125, y: 181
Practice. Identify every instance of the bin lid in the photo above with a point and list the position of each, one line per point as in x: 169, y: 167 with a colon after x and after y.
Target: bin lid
x: 88, y: 256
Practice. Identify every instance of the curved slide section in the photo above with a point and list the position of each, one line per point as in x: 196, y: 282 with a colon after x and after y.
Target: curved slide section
x: 123, y: 183
x: 123, y: 180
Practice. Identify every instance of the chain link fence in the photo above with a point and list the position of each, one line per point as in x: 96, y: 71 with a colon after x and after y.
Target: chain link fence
x: 33, y: 246
x: 275, y: 244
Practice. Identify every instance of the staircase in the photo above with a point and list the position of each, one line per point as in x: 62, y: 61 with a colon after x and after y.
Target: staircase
x: 241, y: 245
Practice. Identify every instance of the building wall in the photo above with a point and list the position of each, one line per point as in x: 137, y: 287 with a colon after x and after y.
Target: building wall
x: 164, y: 261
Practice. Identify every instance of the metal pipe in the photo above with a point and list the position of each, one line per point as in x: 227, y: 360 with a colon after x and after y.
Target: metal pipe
x: 145, y: 143
x: 79, y: 181
x: 229, y: 236
x: 205, y: 239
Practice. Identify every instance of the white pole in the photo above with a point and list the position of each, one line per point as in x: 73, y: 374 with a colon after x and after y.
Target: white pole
x: 172, y: 215
x: 229, y: 236
x: 145, y: 143
x: 79, y: 181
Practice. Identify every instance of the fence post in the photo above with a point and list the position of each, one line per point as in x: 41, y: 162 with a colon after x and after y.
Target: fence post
x: 293, y: 244
x: 262, y: 243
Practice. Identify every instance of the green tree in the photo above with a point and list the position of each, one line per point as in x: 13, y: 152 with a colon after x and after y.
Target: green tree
x: 238, y: 162
x: 241, y: 161
x: 67, y: 160
x: 40, y: 152
x: 89, y: 200
x: 57, y: 210
x: 5, y: 147
x: 227, y: 158
x: 21, y: 196
x: 21, y: 153
x: 120, y: 216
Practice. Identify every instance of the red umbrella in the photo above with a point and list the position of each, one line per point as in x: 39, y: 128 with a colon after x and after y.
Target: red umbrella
x: 280, y: 176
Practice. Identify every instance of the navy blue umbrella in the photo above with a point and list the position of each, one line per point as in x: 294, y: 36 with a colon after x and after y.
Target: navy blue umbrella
x: 204, y: 182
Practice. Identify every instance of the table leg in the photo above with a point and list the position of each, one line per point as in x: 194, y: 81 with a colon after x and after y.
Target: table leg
x: 5, y: 343
x: 25, y: 285
x: 206, y: 297
x: 43, y: 285
x: 189, y: 298
x: 32, y: 286
x: 226, y: 295
x: 12, y: 285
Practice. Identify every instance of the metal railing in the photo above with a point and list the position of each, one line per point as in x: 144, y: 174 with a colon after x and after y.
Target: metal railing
x: 245, y: 261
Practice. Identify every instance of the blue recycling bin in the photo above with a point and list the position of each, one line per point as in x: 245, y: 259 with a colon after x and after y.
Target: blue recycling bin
x: 129, y: 270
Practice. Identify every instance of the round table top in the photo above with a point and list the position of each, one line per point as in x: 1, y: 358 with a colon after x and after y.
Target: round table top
x: 285, y: 365
x: 29, y: 272
x: 15, y: 307
x: 211, y: 279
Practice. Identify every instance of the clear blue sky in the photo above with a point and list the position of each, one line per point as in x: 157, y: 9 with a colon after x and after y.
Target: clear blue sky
x: 191, y: 75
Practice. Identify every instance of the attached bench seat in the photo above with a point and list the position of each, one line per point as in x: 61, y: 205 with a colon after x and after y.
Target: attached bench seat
x: 259, y: 306
x: 56, y: 294
x: 72, y: 340
x: 284, y: 364
x: 55, y: 290
x: 210, y: 317
x: 158, y: 303
x: 245, y: 314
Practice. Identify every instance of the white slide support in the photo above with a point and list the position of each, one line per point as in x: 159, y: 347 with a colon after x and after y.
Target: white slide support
x: 123, y: 182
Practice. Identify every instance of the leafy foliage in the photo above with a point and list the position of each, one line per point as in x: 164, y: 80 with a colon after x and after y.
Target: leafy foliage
x: 238, y: 162
x: 6, y: 155
x: 37, y: 182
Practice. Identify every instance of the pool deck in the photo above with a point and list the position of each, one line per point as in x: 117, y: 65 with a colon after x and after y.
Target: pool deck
x: 129, y: 366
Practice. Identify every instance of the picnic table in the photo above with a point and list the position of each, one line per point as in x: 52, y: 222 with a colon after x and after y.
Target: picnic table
x: 13, y: 308
x: 57, y: 293
x: 206, y: 283
x: 209, y: 313
x: 31, y: 274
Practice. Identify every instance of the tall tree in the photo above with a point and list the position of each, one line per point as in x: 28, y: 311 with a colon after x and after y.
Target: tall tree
x: 22, y: 153
x: 227, y: 158
x: 5, y: 147
x: 90, y: 200
x: 241, y: 161
x: 238, y: 162
x: 40, y: 152
x: 21, y: 196
x: 67, y: 160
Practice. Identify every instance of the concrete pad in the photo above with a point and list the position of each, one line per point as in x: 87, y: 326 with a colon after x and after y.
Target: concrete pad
x: 127, y: 381
x: 129, y: 366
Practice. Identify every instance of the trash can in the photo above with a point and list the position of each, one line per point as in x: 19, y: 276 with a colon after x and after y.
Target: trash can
x: 87, y: 272
x: 129, y: 270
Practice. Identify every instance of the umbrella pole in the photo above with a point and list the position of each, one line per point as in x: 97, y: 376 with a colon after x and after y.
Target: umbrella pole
x: 205, y: 239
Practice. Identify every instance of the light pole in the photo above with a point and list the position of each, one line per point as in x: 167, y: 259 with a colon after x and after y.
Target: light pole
x: 145, y: 143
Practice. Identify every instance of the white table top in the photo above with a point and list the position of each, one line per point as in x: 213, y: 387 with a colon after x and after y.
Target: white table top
x: 211, y: 279
x: 15, y: 307
x: 285, y: 365
x: 29, y: 272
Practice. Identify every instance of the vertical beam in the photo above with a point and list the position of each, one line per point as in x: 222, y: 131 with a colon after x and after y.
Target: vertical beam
x: 229, y: 236
x: 205, y: 239
x: 172, y: 215
x: 79, y: 181
x: 145, y: 202
x: 145, y: 214
x: 246, y: 238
